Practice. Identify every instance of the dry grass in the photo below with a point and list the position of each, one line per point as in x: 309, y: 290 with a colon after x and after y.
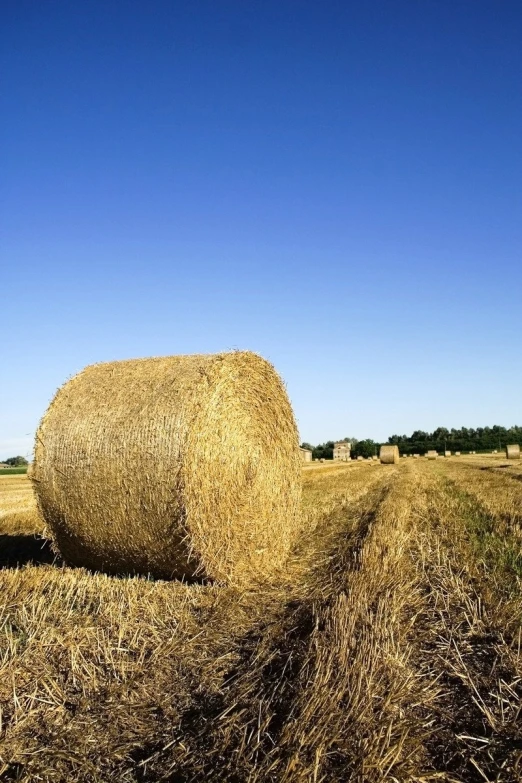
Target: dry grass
x: 387, y: 648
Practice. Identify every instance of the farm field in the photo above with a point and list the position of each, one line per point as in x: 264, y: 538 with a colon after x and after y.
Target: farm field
x: 389, y: 647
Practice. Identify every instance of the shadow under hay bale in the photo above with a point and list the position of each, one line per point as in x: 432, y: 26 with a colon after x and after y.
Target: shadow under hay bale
x: 19, y: 550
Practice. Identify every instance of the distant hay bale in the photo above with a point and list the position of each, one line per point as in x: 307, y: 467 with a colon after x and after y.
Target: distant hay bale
x: 447, y: 453
x: 389, y: 455
x: 183, y: 466
x: 432, y: 454
x: 457, y: 453
x: 416, y: 456
x: 513, y: 451
x: 375, y: 457
x: 360, y: 458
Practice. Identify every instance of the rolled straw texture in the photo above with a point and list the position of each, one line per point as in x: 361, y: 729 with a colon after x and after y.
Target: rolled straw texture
x: 513, y: 451
x: 389, y: 455
x: 184, y: 466
x: 432, y: 454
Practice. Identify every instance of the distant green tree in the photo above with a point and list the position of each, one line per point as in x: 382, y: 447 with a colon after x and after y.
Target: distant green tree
x: 308, y: 446
x: 463, y: 439
x: 16, y: 462
x: 365, y: 448
x: 324, y: 450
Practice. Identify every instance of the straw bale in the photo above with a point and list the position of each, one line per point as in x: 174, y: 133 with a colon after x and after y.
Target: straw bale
x: 431, y: 454
x: 183, y: 466
x: 457, y: 453
x: 447, y: 453
x: 389, y: 455
x: 416, y: 456
x: 513, y: 451
x: 360, y: 458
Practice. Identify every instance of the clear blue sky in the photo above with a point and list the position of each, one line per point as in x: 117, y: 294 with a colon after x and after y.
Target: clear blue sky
x: 335, y: 185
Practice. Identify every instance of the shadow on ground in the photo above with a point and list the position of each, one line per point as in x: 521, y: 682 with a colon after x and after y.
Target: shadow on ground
x: 18, y: 550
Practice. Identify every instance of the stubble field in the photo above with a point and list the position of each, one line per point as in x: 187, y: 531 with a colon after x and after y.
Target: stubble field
x: 388, y: 649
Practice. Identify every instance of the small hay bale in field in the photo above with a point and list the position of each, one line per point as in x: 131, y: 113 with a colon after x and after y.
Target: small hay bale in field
x: 389, y: 455
x: 432, y: 454
x: 360, y: 459
x: 182, y: 466
x: 447, y: 453
x: 457, y: 453
x: 513, y: 451
x: 416, y: 456
x: 375, y: 457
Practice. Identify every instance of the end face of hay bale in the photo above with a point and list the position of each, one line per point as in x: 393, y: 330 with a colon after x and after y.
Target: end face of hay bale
x: 431, y: 454
x: 183, y: 466
x: 447, y: 453
x: 389, y: 455
x: 513, y: 451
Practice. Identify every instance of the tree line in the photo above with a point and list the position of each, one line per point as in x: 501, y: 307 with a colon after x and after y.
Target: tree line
x: 419, y: 442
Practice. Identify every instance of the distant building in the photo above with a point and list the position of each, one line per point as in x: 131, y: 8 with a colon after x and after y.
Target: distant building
x: 342, y: 450
x: 306, y: 455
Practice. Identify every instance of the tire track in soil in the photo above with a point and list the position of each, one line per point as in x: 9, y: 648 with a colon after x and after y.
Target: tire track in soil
x: 477, y: 718
x: 325, y: 692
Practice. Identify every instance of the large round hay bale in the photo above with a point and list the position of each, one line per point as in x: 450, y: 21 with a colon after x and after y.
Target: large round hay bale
x: 447, y: 453
x: 513, y: 451
x: 432, y: 454
x: 389, y: 455
x: 182, y: 466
